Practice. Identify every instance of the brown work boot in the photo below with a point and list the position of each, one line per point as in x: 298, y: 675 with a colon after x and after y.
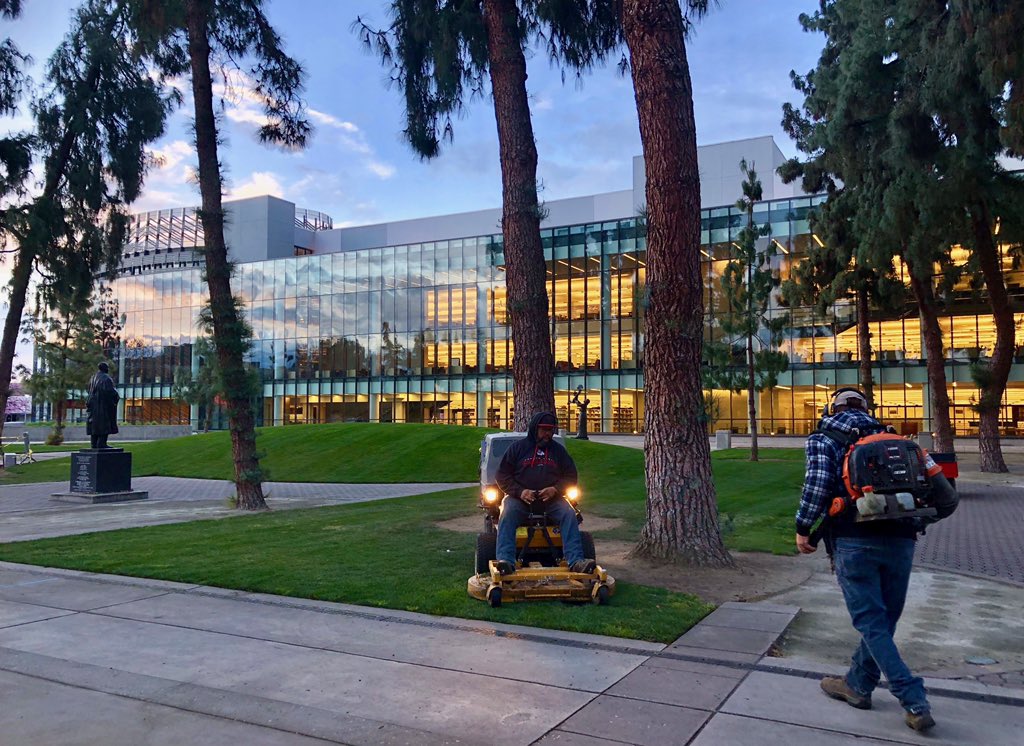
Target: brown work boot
x: 837, y: 688
x: 505, y: 567
x: 919, y: 721
x: 584, y: 565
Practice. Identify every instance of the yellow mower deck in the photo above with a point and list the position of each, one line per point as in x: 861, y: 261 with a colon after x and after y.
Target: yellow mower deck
x: 536, y: 582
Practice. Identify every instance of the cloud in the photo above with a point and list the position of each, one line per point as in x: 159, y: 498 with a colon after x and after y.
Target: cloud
x: 170, y: 156
x: 171, y: 182
x: 351, y: 138
x: 331, y: 121
x: 259, y: 184
x: 383, y: 170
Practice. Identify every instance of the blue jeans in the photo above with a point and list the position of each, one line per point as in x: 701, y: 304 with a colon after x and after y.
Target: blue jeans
x: 514, y: 513
x: 874, y: 573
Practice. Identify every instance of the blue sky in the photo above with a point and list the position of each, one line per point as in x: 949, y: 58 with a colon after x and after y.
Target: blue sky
x: 357, y: 168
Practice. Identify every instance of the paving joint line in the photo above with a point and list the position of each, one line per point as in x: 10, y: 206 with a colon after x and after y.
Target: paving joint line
x: 489, y: 632
x: 989, y: 697
x: 936, y: 567
x: 336, y: 651
x: 173, y: 684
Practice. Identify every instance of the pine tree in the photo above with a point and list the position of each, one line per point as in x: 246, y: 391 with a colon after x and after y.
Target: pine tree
x: 869, y: 152
x: 749, y: 284
x: 444, y: 52
x: 100, y: 111
x: 70, y: 334
x: 202, y: 388
x: 192, y: 37
x: 682, y: 515
x: 970, y: 103
x: 15, y: 149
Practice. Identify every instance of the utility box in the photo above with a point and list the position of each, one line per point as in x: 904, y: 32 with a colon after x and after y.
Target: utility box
x: 723, y: 440
x: 926, y: 441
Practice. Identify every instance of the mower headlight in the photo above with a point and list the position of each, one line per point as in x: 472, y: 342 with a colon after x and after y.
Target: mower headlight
x: 491, y: 495
x: 572, y: 494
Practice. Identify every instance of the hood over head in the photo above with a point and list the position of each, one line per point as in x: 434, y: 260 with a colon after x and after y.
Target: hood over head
x: 546, y: 417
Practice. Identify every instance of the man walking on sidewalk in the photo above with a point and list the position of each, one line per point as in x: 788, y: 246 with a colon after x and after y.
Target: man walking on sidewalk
x: 872, y: 564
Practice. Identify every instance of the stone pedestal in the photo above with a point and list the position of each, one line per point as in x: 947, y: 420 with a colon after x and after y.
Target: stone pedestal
x: 101, y: 475
x: 723, y: 440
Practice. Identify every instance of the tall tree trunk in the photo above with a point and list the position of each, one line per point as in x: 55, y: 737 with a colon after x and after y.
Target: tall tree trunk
x: 867, y: 381
x: 227, y: 326
x: 682, y: 514
x: 991, y: 393
x: 939, y: 398
x: 525, y: 270
x: 751, y: 393
x: 12, y: 324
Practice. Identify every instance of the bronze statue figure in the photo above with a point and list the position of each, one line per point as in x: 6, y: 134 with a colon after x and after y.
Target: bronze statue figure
x: 101, y: 407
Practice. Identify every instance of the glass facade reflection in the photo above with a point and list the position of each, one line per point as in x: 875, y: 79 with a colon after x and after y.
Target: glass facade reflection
x: 418, y: 332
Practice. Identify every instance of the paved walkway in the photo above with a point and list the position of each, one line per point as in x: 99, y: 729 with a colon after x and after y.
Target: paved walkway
x: 87, y: 659
x: 29, y: 513
x: 985, y: 537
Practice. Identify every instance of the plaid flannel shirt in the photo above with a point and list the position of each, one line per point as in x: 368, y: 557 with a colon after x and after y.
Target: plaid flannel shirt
x: 822, y: 476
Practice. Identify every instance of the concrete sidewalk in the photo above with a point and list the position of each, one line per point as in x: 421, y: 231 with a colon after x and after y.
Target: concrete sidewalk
x: 29, y: 513
x: 88, y: 659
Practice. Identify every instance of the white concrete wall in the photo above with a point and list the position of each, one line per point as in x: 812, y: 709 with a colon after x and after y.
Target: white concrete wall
x: 594, y: 208
x: 263, y: 227
x: 720, y: 175
x: 259, y: 228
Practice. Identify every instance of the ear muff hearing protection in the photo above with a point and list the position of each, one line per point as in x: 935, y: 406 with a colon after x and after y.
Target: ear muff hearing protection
x: 830, y: 406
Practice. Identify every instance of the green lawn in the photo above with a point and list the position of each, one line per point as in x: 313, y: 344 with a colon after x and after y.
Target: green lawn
x: 386, y: 553
x: 390, y: 553
x: 351, y: 452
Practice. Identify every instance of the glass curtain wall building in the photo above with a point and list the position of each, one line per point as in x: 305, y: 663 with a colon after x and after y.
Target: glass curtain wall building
x: 355, y: 325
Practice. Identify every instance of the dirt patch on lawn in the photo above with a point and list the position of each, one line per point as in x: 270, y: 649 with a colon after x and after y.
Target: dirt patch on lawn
x: 755, y: 577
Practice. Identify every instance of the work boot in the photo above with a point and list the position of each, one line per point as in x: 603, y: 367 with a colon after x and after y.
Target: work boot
x: 505, y: 567
x: 837, y: 688
x: 584, y: 565
x: 919, y: 721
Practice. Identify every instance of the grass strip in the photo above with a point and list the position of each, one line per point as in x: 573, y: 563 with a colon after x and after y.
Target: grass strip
x: 386, y: 554
x: 390, y: 553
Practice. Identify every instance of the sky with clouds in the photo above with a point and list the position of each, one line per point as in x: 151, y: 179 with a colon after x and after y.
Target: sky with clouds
x: 357, y: 168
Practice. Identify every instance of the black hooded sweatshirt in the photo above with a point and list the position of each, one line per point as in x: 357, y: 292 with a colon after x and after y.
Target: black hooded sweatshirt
x: 527, y: 465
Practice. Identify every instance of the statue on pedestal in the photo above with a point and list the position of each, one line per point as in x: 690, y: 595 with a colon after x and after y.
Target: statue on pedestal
x: 582, y: 432
x: 101, y: 407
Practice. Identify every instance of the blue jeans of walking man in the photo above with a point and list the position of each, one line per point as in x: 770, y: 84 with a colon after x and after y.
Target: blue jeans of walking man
x: 874, y: 573
x: 514, y: 513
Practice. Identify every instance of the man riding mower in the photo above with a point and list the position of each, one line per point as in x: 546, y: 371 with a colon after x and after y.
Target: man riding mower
x: 531, y: 546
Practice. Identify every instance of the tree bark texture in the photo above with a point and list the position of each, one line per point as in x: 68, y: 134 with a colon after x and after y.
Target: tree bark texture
x: 942, y: 428
x: 218, y: 272
x: 682, y: 513
x: 867, y: 381
x: 991, y: 395
x: 12, y: 324
x: 751, y: 390
x: 525, y: 269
